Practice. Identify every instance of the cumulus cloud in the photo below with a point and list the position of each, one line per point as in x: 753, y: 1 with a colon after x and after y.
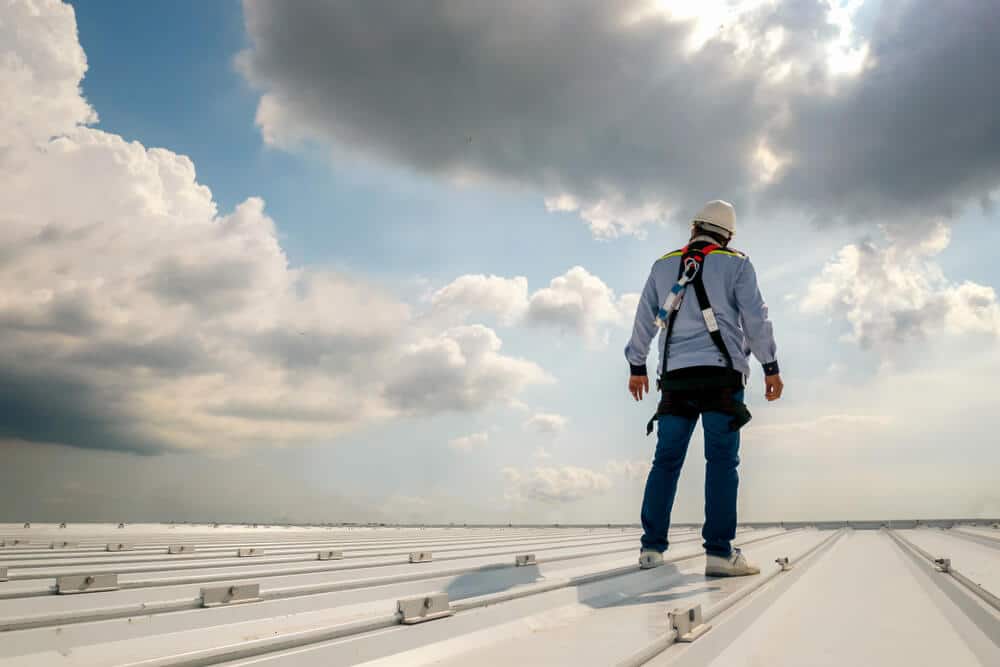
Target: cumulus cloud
x: 50, y: 69
x: 634, y: 112
x: 577, y: 302
x: 893, y: 291
x: 630, y: 470
x: 459, y: 369
x: 504, y: 298
x: 580, y: 302
x: 134, y: 316
x: 471, y: 441
x: 553, y: 485
x: 547, y: 423
x: 612, y: 215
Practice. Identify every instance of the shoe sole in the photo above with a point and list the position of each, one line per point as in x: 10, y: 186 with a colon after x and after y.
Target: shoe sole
x: 720, y: 573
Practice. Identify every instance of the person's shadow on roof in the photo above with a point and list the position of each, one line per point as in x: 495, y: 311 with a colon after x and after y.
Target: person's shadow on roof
x: 649, y: 587
x: 491, y: 579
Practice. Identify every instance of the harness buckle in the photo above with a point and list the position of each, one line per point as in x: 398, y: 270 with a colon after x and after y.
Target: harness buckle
x: 691, y: 266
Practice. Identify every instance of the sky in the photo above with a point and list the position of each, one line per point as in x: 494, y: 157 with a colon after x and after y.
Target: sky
x: 349, y: 261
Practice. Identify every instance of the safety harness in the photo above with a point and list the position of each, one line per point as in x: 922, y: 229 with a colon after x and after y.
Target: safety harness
x: 689, y: 272
x: 702, y: 395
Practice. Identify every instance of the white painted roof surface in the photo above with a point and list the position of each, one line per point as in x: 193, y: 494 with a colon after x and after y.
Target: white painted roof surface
x: 859, y: 595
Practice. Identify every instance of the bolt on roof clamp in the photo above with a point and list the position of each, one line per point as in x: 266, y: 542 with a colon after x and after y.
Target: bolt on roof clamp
x: 784, y: 563
x: 424, y: 608
x: 943, y: 564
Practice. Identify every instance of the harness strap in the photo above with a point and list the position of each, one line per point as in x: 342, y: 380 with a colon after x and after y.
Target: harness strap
x: 695, y: 252
x: 710, y: 322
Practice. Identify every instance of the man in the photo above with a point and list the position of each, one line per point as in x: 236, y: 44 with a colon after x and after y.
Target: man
x: 704, y: 298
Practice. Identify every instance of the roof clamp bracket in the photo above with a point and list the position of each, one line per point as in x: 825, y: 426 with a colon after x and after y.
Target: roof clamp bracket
x: 86, y: 583
x: 420, y: 557
x: 424, y: 608
x: 226, y: 595
x: 330, y: 555
x: 62, y: 545
x: 247, y: 551
x: 3, y: 574
x: 784, y: 563
x: 180, y: 549
x: 522, y: 560
x: 688, y: 623
x: 119, y: 547
x: 943, y: 564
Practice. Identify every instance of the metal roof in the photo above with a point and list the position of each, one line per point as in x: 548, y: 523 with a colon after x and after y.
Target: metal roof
x: 897, y: 593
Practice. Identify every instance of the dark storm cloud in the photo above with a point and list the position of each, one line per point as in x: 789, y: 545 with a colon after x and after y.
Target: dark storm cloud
x: 573, y: 97
x: 560, y: 96
x: 55, y: 407
x: 168, y: 356
x: 67, y: 314
x: 916, y: 136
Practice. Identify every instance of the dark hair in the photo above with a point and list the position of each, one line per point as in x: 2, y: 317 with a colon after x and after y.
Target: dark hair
x: 721, y: 239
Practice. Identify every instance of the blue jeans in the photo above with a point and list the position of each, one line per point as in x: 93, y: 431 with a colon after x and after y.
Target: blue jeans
x: 722, y: 446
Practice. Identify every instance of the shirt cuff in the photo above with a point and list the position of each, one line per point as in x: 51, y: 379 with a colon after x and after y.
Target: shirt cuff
x: 771, y: 368
x: 638, y: 369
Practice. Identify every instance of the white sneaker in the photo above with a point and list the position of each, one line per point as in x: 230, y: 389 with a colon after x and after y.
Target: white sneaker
x: 650, y: 558
x: 736, y: 565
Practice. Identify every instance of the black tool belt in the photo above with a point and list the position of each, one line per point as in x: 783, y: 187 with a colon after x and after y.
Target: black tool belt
x: 690, y: 397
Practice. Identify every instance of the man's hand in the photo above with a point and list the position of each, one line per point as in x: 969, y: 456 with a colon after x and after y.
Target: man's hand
x: 773, y: 386
x: 637, y: 385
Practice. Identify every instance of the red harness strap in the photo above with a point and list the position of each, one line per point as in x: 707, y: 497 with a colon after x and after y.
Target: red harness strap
x: 707, y: 250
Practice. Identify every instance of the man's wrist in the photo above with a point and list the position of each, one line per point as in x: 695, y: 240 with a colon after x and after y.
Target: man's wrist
x: 638, y: 369
x: 771, y: 368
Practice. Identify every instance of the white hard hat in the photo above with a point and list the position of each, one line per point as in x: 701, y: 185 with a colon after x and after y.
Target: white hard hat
x: 719, y: 214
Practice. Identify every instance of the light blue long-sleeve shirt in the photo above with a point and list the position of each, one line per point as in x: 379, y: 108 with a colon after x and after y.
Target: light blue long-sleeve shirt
x: 731, y: 284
